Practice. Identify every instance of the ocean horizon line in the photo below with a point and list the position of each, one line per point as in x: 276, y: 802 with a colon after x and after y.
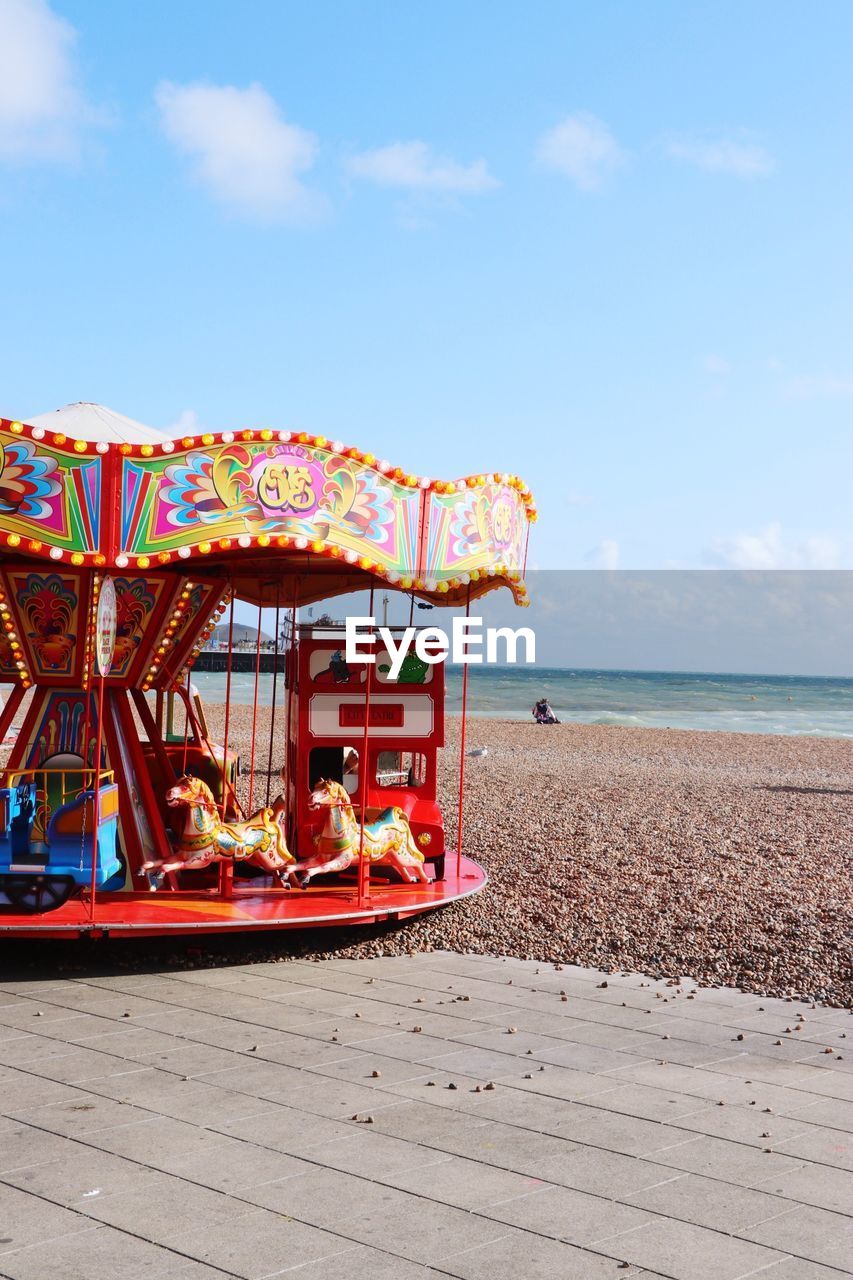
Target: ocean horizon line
x: 533, y: 668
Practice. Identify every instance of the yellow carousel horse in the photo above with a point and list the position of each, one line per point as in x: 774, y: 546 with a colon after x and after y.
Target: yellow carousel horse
x: 388, y: 840
x: 205, y: 838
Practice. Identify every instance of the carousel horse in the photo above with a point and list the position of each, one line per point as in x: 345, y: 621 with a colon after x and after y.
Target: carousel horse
x: 387, y: 841
x: 205, y: 838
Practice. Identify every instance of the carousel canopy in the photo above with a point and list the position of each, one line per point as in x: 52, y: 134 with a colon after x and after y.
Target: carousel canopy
x: 277, y: 513
x: 84, y: 421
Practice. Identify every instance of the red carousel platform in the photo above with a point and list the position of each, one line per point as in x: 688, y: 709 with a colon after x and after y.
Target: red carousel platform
x: 142, y: 915
x: 121, y: 549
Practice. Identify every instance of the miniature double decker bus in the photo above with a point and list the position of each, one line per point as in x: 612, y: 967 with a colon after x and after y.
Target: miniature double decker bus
x: 325, y: 740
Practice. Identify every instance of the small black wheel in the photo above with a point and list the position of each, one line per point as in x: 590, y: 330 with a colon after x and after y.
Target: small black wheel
x: 438, y: 864
x: 39, y: 893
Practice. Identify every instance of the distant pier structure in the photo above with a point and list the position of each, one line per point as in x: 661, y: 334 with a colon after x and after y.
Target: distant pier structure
x: 241, y: 660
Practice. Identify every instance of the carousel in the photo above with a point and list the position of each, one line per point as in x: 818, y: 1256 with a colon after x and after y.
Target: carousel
x: 121, y: 550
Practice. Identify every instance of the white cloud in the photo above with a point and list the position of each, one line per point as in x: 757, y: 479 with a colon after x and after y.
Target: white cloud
x: 582, y: 148
x: 414, y: 166
x: 575, y: 499
x: 819, y: 387
x: 768, y: 549
x: 605, y: 555
x: 42, y: 108
x: 244, y: 151
x: 738, y: 159
x: 186, y: 424
x: 715, y: 364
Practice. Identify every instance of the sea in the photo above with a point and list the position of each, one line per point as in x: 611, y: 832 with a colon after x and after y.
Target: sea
x: 810, y: 705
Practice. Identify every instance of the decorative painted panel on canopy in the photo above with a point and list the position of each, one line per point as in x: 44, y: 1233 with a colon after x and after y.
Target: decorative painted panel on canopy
x: 144, y: 501
x: 49, y: 493
x: 475, y: 529
x: 258, y: 490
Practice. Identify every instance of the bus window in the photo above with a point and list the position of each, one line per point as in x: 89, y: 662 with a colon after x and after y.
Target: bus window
x: 334, y: 764
x: 400, y: 769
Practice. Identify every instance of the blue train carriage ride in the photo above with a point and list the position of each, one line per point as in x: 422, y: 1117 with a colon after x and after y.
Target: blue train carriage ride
x: 46, y: 849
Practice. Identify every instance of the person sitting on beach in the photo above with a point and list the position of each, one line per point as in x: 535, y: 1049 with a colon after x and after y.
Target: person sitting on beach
x: 543, y: 712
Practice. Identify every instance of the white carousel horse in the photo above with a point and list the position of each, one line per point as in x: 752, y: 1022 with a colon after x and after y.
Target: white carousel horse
x: 388, y: 840
x: 205, y: 838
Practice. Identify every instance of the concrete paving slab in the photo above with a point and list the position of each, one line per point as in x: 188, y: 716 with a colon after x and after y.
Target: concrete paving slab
x: 87, y: 1113
x: 518, y: 1253
x: 199, y: 1060
x: 81, y: 1176
x: 257, y: 1244
x: 602, y: 1173
x: 748, y: 1166
x: 820, y: 1186
x: 573, y: 1216
x: 156, y: 1141
x: 233, y: 1166
x: 615, y: 1159
x: 327, y: 1198
x: 630, y: 1099
x: 687, y: 1252
x: 825, y: 1146
x: 68, y: 1064
x: 163, y: 1092
x: 706, y: 1202
x: 480, y: 1062
x: 363, y: 1263
x: 465, y: 1184
x: 828, y: 1112
x: 188, y: 1270
x: 809, y: 1233
x: 420, y: 1230
x: 26, y: 1220
x: 98, y: 1253
x: 21, y: 1090
x: 374, y: 1155
x: 22, y: 1146
x: 798, y: 1269
x: 749, y: 1125
x: 283, y: 1129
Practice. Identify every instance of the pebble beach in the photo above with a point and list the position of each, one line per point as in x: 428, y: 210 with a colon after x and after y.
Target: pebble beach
x: 723, y: 857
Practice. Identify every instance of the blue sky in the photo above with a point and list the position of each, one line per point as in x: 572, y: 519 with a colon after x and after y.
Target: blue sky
x: 607, y: 246
x: 769, y: 622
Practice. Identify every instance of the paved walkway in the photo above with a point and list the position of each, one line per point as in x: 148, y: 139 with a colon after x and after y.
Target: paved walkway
x: 405, y: 1119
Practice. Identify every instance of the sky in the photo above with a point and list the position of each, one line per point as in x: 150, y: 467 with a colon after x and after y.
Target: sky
x: 603, y: 246
x: 765, y: 622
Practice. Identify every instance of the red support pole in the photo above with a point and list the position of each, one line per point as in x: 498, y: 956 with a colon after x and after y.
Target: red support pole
x: 143, y: 710
x: 462, y: 737
x: 255, y: 709
x: 88, y: 668
x: 226, y: 869
x: 13, y: 701
x: 290, y: 673
x: 364, y: 869
x: 230, y: 793
x: 228, y: 665
x: 186, y: 735
x: 96, y: 799
x: 274, y: 688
